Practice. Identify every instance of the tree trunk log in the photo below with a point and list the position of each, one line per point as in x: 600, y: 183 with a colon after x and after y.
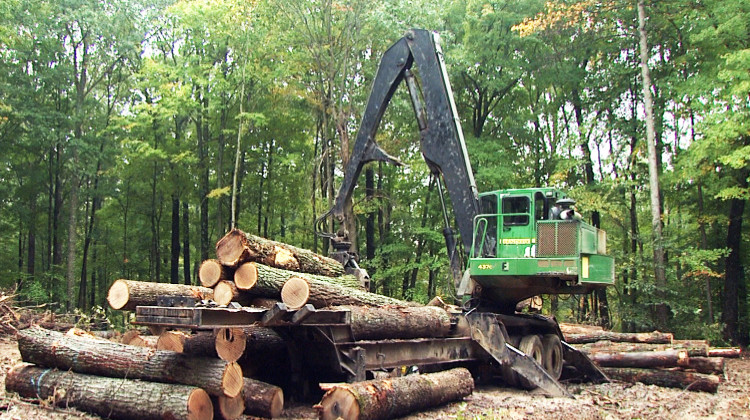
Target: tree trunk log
x: 645, y: 359
x: 237, y: 247
x: 127, y: 294
x: 53, y: 349
x: 110, y: 397
x: 212, y: 271
x: 228, y: 408
x: 246, y: 276
x: 710, y: 365
x: 567, y: 328
x: 226, y: 292
x: 655, y: 337
x: 375, y: 323
x: 263, y: 302
x: 199, y: 344
x: 728, y: 352
x: 270, y: 281
x: 666, y: 378
x: 262, y: 399
x: 230, y: 343
x: 693, y: 348
x: 388, y: 398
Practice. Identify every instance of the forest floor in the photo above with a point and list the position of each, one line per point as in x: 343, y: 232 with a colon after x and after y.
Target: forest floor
x: 606, y: 401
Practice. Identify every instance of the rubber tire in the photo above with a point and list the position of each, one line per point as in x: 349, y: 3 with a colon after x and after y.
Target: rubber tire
x: 531, y: 345
x: 553, y: 355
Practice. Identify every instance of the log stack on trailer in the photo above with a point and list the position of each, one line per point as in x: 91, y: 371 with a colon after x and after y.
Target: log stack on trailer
x: 652, y: 358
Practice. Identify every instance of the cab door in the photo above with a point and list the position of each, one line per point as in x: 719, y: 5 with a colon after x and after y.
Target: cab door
x: 516, y: 234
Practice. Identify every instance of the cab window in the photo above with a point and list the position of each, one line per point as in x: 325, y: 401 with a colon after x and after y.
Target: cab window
x: 516, y: 211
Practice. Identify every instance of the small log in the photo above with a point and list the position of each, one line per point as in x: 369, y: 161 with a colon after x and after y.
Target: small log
x: 645, y: 359
x: 82, y: 355
x: 212, y: 271
x: 395, y: 397
x: 230, y: 343
x: 709, y: 365
x: 693, y: 348
x: 226, y: 291
x: 127, y: 294
x: 237, y: 247
x: 110, y: 397
x: 568, y: 328
x: 295, y: 293
x: 375, y: 323
x: 655, y: 337
x: 262, y: 399
x: 228, y: 408
x: 246, y: 276
x: 728, y: 352
x: 666, y: 378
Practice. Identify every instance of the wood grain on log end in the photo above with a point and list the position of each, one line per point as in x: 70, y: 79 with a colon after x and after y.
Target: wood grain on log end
x: 118, y: 295
x: 225, y: 292
x: 229, y: 408
x: 232, y: 380
x: 200, y: 406
x: 338, y: 402
x: 246, y: 276
x: 295, y: 293
x: 284, y: 258
x: 172, y: 341
x: 230, y: 343
x: 230, y: 248
x: 210, y: 272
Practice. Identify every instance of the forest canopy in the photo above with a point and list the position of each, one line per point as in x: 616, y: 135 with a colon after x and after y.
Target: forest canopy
x: 125, y: 126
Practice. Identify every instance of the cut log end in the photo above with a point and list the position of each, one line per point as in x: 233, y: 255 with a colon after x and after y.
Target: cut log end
x: 172, y: 341
x: 229, y: 249
x: 210, y: 272
x: 229, y: 408
x: 232, y: 381
x: 339, y: 402
x: 230, y: 343
x: 295, y: 293
x: 200, y: 406
x: 246, y: 276
x: 277, y: 403
x: 119, y: 294
x: 225, y: 292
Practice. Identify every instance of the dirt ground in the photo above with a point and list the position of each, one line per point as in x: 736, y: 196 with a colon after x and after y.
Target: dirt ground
x: 607, y: 401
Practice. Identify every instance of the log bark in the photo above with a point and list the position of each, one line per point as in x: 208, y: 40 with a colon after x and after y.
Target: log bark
x: 53, y: 349
x: 262, y: 399
x: 237, y: 247
x: 645, y: 359
x: 375, y: 323
x: 567, y: 328
x: 655, y: 337
x: 213, y: 271
x: 666, y: 378
x: 728, y: 352
x: 226, y: 292
x: 271, y: 280
x: 694, y: 348
x: 127, y: 294
x: 110, y: 397
x: 246, y: 276
x: 709, y: 365
x: 388, y: 398
x: 198, y: 344
x: 228, y: 408
x: 263, y: 302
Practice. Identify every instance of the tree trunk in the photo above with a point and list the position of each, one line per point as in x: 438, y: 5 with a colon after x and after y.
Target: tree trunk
x: 376, y: 323
x: 212, y: 271
x: 226, y: 292
x: 249, y: 274
x: 262, y: 399
x: 709, y: 365
x: 199, y: 344
x: 83, y: 355
x: 645, y: 359
x: 237, y: 247
x: 728, y: 352
x: 652, y: 338
x: 660, y: 277
x: 694, y: 348
x: 186, y: 242
x: 734, y: 270
x: 110, y: 397
x: 228, y: 408
x: 127, y: 294
x: 666, y: 378
x: 174, y: 272
x: 389, y: 398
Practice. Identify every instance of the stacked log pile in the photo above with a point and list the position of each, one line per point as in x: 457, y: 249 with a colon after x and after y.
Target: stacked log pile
x: 653, y: 358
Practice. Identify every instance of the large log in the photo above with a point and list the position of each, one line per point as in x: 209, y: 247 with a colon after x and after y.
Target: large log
x: 567, y: 328
x: 270, y: 281
x: 230, y: 343
x: 82, y: 355
x: 694, y: 348
x: 127, y: 294
x: 237, y: 247
x: 228, y: 408
x: 199, y: 344
x: 212, y: 271
x: 655, y: 337
x: 644, y: 359
x: 388, y: 398
x: 262, y: 399
x: 710, y: 365
x: 246, y: 276
x: 375, y: 323
x: 666, y: 378
x: 110, y: 397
